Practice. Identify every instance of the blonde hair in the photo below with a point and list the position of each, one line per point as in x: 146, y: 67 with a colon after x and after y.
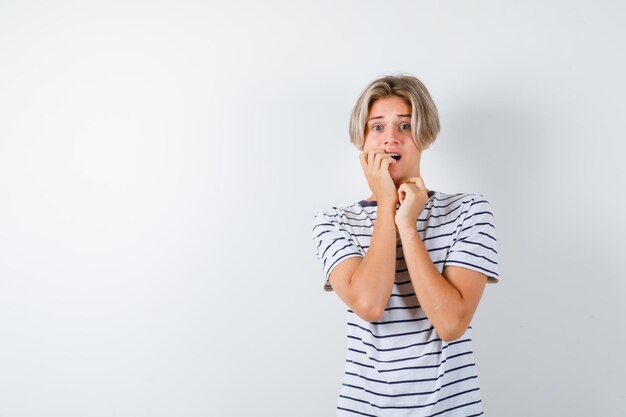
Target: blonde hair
x: 424, y: 115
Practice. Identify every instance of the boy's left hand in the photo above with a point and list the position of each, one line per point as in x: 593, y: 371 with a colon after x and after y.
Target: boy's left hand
x: 412, y: 195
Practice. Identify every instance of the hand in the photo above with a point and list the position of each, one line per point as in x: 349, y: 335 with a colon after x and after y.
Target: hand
x: 375, y: 164
x: 413, y: 196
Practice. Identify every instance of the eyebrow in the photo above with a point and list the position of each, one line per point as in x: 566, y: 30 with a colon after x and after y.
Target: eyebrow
x: 380, y: 117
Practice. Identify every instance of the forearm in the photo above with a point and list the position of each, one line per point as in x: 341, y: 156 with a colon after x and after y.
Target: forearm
x: 439, y: 299
x: 373, y: 279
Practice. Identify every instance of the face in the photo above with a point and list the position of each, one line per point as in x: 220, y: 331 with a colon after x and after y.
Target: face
x: 389, y: 127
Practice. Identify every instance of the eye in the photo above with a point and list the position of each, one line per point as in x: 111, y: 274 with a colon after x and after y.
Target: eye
x: 375, y: 128
x: 405, y: 126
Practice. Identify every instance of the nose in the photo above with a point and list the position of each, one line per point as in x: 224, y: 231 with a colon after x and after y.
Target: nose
x: 391, y: 138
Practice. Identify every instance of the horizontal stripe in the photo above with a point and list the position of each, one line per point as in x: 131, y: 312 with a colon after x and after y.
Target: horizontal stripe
x: 335, y: 258
x: 342, y: 248
x: 444, y: 347
x: 360, y: 364
x: 435, y: 226
x: 389, y: 335
x: 343, y: 215
x: 474, y: 255
x: 437, y: 236
x: 487, y: 213
x: 411, y: 407
x: 479, y: 244
x: 318, y: 225
x: 461, y: 197
x: 453, y: 261
x: 339, y: 239
x: 438, y: 365
x: 406, y: 368
x: 411, y: 381
x: 472, y: 226
x: 456, y: 408
x: 476, y: 415
x: 410, y: 394
x: 411, y: 294
x: 355, y: 412
x: 380, y: 323
x: 395, y: 308
x: 395, y: 360
x: 448, y: 198
x: 342, y: 257
x: 457, y: 342
x: 396, y: 348
x: 403, y: 308
x: 426, y: 238
x: 320, y: 235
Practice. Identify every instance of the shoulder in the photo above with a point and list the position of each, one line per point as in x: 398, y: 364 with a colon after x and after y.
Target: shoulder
x: 338, y: 215
x: 478, y: 204
x: 440, y: 195
x: 452, y: 205
x: 473, y: 201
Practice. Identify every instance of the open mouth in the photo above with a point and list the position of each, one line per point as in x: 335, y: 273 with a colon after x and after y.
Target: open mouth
x: 395, y: 156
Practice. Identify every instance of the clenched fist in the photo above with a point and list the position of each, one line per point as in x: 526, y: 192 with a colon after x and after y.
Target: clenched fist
x: 412, y: 195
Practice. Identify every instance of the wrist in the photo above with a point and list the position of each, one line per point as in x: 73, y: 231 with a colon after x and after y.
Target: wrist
x: 407, y: 229
x: 388, y: 202
x: 387, y: 205
x: 387, y: 211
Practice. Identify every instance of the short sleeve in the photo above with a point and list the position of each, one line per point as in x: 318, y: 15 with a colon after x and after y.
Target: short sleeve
x: 333, y: 244
x: 475, y: 245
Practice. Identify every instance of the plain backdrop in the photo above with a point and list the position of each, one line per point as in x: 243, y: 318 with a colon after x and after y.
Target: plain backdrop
x: 161, y: 163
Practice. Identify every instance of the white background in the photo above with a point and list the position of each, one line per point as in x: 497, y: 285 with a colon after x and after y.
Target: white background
x: 161, y: 163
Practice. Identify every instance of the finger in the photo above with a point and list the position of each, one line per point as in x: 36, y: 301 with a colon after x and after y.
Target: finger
x: 417, y: 181
x: 371, y: 157
x: 380, y: 157
x: 375, y: 160
x: 384, y: 164
x: 363, y: 160
x: 408, y: 188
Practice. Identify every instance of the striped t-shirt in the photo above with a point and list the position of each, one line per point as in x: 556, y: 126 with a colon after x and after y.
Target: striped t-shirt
x: 399, y: 366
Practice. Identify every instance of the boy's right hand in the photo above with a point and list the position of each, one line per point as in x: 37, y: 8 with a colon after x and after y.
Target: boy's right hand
x: 375, y: 164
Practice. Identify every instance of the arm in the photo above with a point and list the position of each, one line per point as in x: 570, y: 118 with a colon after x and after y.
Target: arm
x: 364, y: 284
x: 449, y: 299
